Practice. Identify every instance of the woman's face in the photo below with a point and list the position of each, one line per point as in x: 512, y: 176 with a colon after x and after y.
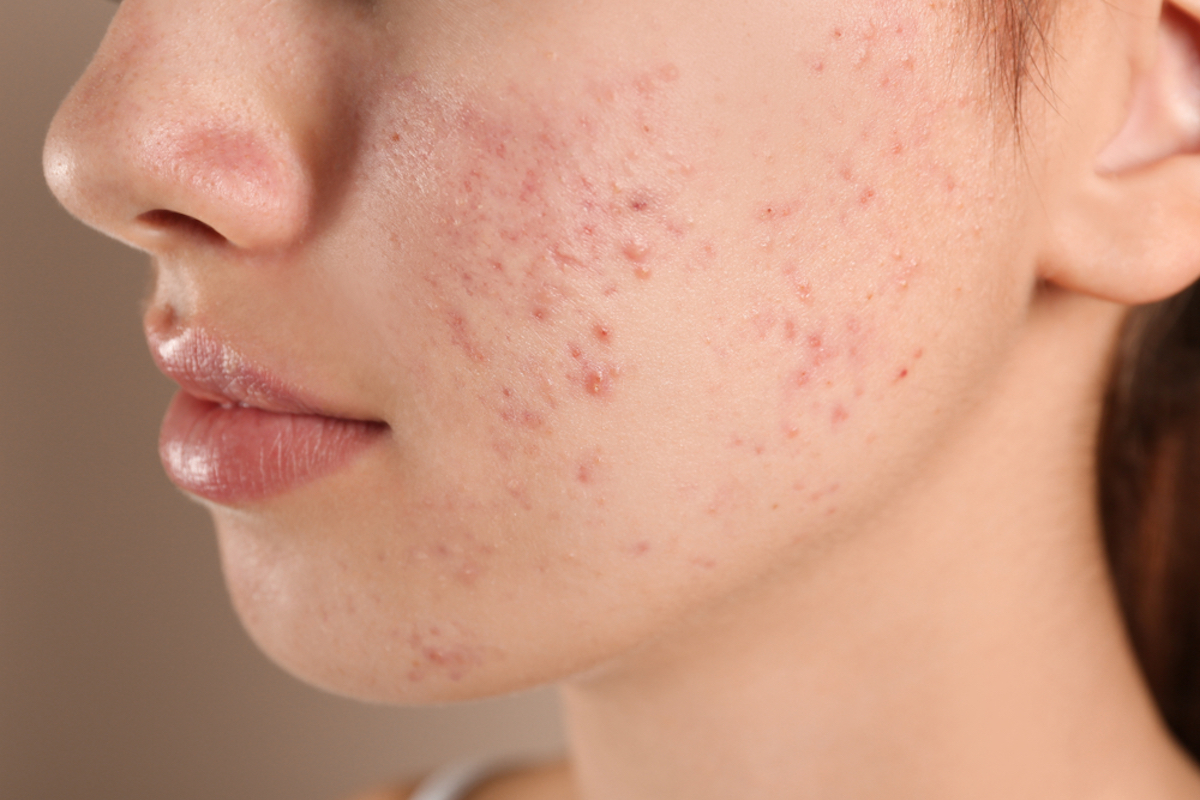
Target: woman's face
x: 653, y: 297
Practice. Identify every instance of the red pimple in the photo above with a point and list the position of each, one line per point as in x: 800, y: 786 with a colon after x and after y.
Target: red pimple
x: 840, y: 414
x: 597, y: 381
x: 636, y: 251
x: 601, y: 332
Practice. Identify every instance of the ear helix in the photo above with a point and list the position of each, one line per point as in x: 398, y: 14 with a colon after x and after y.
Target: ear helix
x: 1164, y: 115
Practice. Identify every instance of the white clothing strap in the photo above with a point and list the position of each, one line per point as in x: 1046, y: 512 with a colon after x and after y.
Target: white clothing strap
x: 456, y: 780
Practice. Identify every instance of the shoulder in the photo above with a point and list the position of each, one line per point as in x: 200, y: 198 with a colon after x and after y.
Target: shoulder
x: 541, y: 782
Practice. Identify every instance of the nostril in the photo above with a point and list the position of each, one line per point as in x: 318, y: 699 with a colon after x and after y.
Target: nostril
x: 162, y: 221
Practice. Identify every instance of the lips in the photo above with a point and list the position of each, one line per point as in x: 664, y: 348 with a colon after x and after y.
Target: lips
x: 235, y: 433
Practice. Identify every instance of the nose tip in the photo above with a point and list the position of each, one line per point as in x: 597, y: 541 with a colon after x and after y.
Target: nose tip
x: 157, y: 158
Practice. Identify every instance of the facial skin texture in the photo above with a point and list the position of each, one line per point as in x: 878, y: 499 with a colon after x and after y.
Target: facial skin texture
x: 673, y: 311
x: 645, y: 314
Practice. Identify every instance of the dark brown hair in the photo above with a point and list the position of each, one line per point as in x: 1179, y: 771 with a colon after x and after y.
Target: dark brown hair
x: 1149, y: 493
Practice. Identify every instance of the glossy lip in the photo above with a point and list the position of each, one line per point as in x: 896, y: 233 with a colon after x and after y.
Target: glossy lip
x: 236, y: 433
x: 208, y: 369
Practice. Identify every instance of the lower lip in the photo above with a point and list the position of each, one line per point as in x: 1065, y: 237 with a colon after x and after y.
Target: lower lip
x: 233, y: 455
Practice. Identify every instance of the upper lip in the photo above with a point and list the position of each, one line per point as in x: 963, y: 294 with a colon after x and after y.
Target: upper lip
x: 208, y: 368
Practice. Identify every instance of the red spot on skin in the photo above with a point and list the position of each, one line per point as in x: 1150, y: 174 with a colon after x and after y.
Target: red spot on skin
x: 903, y: 374
x: 641, y: 548
x: 597, y: 381
x: 601, y: 332
x: 639, y: 203
x: 866, y: 196
x: 801, y: 378
x: 775, y: 211
x: 589, y: 465
x: 595, y: 377
x: 461, y: 336
x: 814, y: 341
x: 818, y: 66
x: 642, y: 272
x: 704, y: 563
x: 636, y: 251
x: 840, y: 414
x: 789, y: 330
x: 920, y: 352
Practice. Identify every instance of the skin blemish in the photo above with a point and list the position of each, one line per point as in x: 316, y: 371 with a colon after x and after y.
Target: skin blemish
x: 839, y: 415
x: 640, y: 548
x: 463, y: 338
x: 636, y: 251
x: 436, y: 652
x: 596, y: 377
x: 602, y: 333
x: 776, y: 211
x: 588, y: 468
x: 642, y: 272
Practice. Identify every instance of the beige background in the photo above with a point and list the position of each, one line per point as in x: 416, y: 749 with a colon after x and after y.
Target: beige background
x: 123, y: 673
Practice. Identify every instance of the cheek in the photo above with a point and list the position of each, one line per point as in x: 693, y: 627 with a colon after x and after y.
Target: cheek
x: 577, y: 267
x: 639, y: 340
x: 543, y: 226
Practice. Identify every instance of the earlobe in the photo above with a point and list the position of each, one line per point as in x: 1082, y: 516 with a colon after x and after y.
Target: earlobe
x: 1131, y: 233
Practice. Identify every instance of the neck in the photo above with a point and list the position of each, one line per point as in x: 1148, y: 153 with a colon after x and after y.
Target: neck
x: 964, y: 643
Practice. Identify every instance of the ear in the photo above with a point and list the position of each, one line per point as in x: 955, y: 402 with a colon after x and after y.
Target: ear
x: 1127, y: 228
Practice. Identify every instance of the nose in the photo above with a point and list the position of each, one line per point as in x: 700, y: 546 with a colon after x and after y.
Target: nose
x: 190, y: 127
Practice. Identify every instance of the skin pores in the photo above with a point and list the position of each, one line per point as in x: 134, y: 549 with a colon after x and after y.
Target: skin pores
x: 658, y: 302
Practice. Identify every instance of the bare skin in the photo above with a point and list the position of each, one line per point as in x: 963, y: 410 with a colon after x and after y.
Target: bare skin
x: 740, y: 370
